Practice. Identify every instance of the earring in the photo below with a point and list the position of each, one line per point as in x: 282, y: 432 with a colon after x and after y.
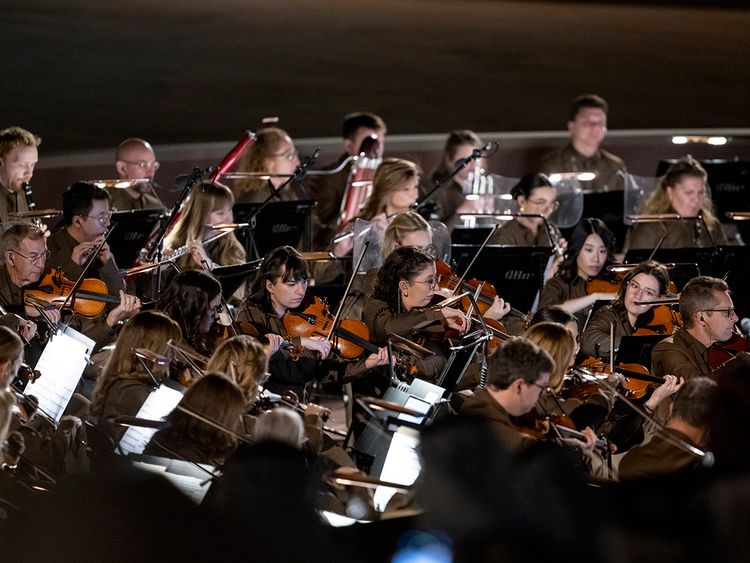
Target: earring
x: 406, y: 294
x: 522, y: 210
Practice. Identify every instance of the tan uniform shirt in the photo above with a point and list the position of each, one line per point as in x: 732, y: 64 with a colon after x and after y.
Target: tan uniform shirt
x: 607, y: 167
x: 682, y: 355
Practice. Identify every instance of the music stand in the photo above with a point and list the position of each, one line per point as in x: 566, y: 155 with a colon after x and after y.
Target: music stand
x: 131, y: 233
x: 610, y: 208
x: 732, y: 263
x: 688, y: 262
x: 517, y: 272
x: 278, y: 224
x: 637, y: 349
x: 232, y: 277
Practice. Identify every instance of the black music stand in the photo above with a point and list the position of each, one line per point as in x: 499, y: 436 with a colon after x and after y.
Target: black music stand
x: 688, y: 262
x: 517, y: 272
x: 131, y: 233
x: 232, y: 277
x: 732, y: 263
x: 610, y: 208
x: 278, y: 224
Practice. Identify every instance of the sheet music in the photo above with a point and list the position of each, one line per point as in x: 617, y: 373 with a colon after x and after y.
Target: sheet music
x: 402, y: 465
x: 156, y: 407
x: 62, y: 363
x: 189, y: 479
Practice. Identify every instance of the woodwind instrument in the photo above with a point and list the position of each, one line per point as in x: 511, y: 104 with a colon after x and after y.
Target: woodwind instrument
x: 359, y: 184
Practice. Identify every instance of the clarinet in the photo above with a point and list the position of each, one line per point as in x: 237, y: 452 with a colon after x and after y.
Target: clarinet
x: 26, y: 187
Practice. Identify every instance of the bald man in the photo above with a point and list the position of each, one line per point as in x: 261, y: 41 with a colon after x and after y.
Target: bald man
x: 135, y: 159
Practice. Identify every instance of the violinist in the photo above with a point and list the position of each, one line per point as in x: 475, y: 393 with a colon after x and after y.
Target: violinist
x: 590, y: 250
x: 646, y: 282
x: 135, y: 160
x: 188, y: 438
x: 193, y: 300
x: 450, y: 198
x: 683, y: 190
x: 689, y: 417
x: 86, y: 218
x: 328, y: 190
x: 708, y: 318
x: 556, y: 314
x: 210, y: 203
x: 280, y: 286
x: 404, y: 288
x: 124, y: 384
x: 518, y: 373
x: 18, y: 157
x: 534, y: 194
x: 272, y: 152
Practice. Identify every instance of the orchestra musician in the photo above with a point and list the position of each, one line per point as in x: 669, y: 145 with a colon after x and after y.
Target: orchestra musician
x: 534, y: 194
x: 708, y: 317
x: 328, y: 190
x: 280, y: 286
x: 645, y: 282
x: 86, y: 218
x: 188, y: 438
x: 405, y: 285
x: 210, y: 204
x: 18, y: 157
x: 192, y: 299
x: 518, y: 373
x: 124, y: 384
x: 135, y: 160
x: 556, y: 314
x: 449, y: 199
x: 590, y: 250
x: 272, y: 152
x: 683, y: 190
x: 587, y: 126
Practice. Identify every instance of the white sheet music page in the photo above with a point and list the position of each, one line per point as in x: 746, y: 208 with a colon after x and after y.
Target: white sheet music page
x: 402, y: 465
x: 62, y: 362
x: 157, y: 406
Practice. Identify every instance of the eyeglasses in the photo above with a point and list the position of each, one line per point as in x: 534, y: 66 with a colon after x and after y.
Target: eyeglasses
x: 636, y: 288
x: 432, y: 282
x: 144, y: 164
x: 34, y: 260
x: 289, y: 155
x: 728, y: 312
x: 102, y: 217
x: 544, y: 204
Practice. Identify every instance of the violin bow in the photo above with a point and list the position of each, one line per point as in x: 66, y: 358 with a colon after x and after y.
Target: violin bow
x: 70, y: 299
x: 355, y: 269
x: 479, y: 251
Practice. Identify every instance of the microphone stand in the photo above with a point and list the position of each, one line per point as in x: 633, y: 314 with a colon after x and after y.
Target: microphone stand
x: 298, y: 174
x: 424, y: 209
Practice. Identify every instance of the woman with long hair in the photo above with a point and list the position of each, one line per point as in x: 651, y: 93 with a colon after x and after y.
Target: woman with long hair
x: 210, y: 204
x: 124, y: 384
x: 683, y: 190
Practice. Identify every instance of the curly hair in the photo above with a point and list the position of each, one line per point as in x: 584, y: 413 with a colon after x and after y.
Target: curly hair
x: 243, y: 360
x: 404, y: 263
x: 186, y: 301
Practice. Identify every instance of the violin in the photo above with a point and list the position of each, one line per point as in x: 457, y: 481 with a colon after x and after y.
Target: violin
x: 720, y: 353
x: 664, y: 320
x: 635, y: 382
x: 349, y: 339
x: 89, y: 300
x: 451, y: 282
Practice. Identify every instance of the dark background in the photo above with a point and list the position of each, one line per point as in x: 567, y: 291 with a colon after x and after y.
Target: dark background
x: 87, y: 74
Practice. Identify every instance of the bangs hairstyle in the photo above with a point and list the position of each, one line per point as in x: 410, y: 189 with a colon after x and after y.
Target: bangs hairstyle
x: 283, y: 262
x: 588, y: 226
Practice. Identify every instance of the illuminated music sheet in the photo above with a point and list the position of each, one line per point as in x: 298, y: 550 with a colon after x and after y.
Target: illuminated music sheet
x: 401, y: 465
x: 193, y: 480
x: 62, y: 363
x: 157, y: 406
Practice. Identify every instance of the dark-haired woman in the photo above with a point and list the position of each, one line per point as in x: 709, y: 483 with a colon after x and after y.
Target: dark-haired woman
x: 405, y: 285
x: 646, y: 282
x: 591, y: 248
x: 281, y: 286
x: 682, y: 190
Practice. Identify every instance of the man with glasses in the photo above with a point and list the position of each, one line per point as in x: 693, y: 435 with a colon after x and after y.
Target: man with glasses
x: 86, y: 218
x: 708, y: 317
x: 518, y: 373
x: 587, y: 126
x: 135, y: 159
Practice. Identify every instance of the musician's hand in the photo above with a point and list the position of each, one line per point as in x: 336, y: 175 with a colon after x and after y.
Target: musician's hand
x: 27, y: 329
x: 563, y: 244
x: 105, y: 254
x: 274, y: 343
x: 498, y: 310
x: 586, y: 446
x: 317, y: 410
x: 379, y: 224
x: 455, y: 319
x: 83, y: 250
x: 29, y: 406
x: 379, y: 358
x: 198, y: 252
x: 317, y: 343
x: 670, y: 386
x: 344, y: 247
x: 603, y: 297
x: 129, y: 306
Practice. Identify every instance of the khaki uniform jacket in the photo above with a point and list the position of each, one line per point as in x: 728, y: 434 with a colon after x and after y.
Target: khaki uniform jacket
x: 606, y: 165
x: 682, y: 355
x: 482, y: 405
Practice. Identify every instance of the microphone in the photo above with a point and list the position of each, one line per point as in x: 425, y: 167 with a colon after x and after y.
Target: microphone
x: 745, y: 325
x: 475, y: 154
